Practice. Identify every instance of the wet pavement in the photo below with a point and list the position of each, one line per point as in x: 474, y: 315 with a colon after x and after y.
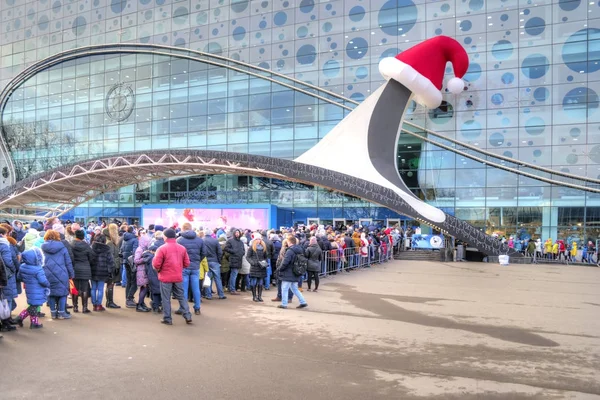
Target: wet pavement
x: 402, y: 330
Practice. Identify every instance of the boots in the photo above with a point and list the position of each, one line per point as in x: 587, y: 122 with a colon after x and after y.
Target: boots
x: 63, y: 315
x: 75, y: 303
x: 259, y: 297
x: 54, y: 313
x: 109, y: 298
x: 84, y: 303
x: 254, y: 298
x: 35, y: 323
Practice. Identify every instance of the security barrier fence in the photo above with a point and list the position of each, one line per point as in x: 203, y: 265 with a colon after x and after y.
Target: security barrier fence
x: 344, y: 260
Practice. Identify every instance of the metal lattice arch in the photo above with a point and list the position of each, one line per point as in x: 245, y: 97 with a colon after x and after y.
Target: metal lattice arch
x: 61, y: 189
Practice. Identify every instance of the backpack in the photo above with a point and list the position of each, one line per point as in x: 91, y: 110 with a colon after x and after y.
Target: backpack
x: 300, y: 265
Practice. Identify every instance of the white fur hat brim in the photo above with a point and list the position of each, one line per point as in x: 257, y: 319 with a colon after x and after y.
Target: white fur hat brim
x: 425, y: 92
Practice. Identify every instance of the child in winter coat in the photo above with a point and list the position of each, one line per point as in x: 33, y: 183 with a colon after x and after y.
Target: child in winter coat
x: 152, y: 276
x: 141, y: 276
x: 364, y: 250
x: 36, y: 285
x: 203, y: 271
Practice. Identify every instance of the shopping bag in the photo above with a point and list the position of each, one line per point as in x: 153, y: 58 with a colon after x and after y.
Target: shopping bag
x: 207, y: 282
x: 72, y: 288
x: 4, y: 307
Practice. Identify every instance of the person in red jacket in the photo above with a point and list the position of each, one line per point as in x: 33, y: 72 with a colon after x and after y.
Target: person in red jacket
x: 169, y: 262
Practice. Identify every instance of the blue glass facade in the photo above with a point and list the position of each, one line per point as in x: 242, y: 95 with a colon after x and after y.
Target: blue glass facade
x: 532, y: 95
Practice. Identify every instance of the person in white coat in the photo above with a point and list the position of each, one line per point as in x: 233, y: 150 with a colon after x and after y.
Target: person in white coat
x: 242, y: 279
x: 538, y: 250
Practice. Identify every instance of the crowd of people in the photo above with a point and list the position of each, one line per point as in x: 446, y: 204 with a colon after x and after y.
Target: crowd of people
x: 558, y: 250
x: 53, y: 260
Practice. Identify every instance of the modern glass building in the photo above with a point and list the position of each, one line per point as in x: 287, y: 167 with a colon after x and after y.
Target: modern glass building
x: 212, y: 79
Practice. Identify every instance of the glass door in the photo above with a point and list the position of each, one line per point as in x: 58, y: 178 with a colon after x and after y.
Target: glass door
x: 339, y: 224
x: 313, y: 221
x: 391, y: 222
x: 365, y: 222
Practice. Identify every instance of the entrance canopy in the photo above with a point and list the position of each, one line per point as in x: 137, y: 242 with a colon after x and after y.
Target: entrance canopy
x: 58, y: 190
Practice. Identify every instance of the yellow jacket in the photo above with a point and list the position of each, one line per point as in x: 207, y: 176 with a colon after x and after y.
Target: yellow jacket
x: 203, y: 267
x: 548, y: 246
x: 574, y: 249
x: 555, y: 248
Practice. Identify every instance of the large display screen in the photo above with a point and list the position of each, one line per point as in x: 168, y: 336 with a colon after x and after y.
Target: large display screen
x: 207, y: 218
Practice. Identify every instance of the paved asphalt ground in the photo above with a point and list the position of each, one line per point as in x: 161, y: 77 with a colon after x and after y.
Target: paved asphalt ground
x: 400, y: 331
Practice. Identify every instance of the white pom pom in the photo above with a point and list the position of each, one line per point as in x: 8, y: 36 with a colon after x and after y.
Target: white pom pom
x: 456, y: 85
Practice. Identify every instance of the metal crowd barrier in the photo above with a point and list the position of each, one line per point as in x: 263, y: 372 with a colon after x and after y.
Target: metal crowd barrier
x: 344, y: 260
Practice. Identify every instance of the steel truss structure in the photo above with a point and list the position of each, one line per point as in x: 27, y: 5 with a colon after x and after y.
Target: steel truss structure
x: 70, y: 185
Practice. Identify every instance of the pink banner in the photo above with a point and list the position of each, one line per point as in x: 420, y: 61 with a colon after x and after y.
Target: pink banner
x: 207, y: 218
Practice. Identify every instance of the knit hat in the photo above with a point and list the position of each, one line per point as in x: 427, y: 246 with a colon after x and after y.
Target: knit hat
x: 421, y: 69
x: 79, y: 235
x: 159, y: 228
x: 170, y: 233
x: 58, y: 228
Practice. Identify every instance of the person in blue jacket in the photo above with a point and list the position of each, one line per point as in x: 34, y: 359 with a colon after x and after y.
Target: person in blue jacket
x: 36, y: 285
x: 289, y: 281
x: 191, y: 275
x: 10, y: 264
x: 58, y: 268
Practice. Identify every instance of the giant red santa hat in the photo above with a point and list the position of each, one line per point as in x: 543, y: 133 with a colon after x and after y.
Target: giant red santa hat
x: 421, y: 69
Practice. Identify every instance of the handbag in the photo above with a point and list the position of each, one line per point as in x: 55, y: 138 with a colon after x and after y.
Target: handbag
x: 261, y: 263
x: 4, y: 307
x: 131, y: 263
x: 207, y: 282
x: 72, y: 288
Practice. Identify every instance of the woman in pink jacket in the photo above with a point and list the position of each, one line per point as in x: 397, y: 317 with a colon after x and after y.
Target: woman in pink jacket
x: 140, y: 275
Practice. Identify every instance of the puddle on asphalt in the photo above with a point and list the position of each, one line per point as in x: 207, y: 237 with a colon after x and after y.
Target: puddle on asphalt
x: 377, y: 304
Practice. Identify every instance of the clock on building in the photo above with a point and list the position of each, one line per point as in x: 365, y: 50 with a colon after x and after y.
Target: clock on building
x: 120, y: 101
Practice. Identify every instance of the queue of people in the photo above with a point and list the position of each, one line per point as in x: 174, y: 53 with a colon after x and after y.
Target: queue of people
x: 51, y: 261
x: 558, y: 250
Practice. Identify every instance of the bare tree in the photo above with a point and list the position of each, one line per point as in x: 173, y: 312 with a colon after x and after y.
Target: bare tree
x: 37, y: 147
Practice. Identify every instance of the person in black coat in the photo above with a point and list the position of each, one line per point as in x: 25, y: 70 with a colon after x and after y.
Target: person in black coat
x: 235, y: 248
x: 154, y: 283
x: 274, y: 255
x: 129, y: 245
x: 257, y: 255
x: 83, y: 257
x: 3, y: 277
x: 314, y: 254
x: 102, y: 269
x: 214, y: 256
x: 114, y: 276
x: 349, y: 245
x: 270, y: 251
